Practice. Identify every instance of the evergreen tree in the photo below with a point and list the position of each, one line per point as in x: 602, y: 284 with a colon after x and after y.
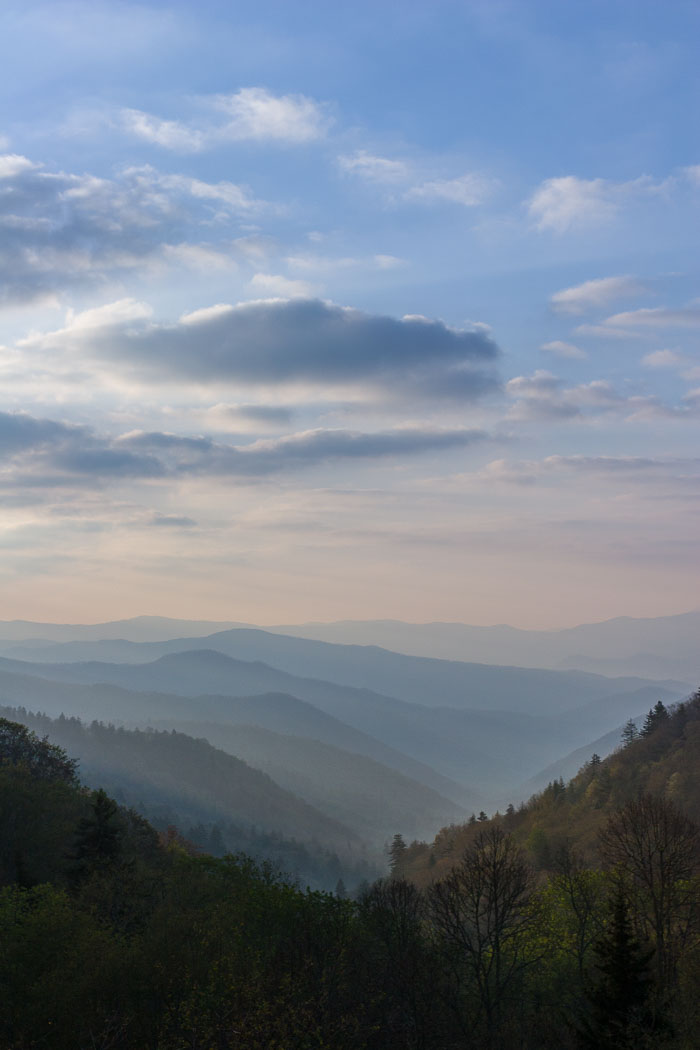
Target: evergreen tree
x: 397, y: 852
x: 620, y: 997
x: 98, y: 840
x: 629, y: 733
x: 656, y: 717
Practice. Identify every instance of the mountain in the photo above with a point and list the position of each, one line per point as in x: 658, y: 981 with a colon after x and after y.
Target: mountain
x: 189, y: 777
x: 136, y: 629
x: 421, y: 680
x: 567, y: 767
x: 662, y: 762
x: 656, y: 647
x: 372, y: 799
x: 487, y: 751
x: 275, y: 711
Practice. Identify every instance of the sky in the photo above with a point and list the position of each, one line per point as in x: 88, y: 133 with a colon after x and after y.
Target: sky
x: 315, y: 312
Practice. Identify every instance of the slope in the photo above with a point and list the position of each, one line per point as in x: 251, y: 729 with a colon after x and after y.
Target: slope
x: 275, y: 711
x: 358, y: 791
x: 188, y: 776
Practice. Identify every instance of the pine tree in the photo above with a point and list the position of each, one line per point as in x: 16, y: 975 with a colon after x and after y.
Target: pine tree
x: 98, y: 840
x: 656, y: 717
x: 629, y: 733
x: 397, y: 851
x: 620, y: 997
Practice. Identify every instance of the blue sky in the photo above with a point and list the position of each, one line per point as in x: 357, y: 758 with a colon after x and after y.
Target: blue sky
x: 310, y: 312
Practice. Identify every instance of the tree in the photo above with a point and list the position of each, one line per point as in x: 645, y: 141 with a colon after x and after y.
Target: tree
x: 98, y: 840
x: 657, y: 716
x: 397, y: 852
x: 19, y: 746
x: 653, y: 846
x: 629, y: 733
x: 620, y: 997
x: 481, y: 912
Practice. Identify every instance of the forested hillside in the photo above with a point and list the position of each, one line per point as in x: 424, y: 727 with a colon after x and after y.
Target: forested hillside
x: 571, y: 923
x: 661, y: 759
x: 215, y: 798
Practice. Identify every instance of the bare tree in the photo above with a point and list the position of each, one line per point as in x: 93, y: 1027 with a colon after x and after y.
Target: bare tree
x: 655, y: 848
x: 481, y: 913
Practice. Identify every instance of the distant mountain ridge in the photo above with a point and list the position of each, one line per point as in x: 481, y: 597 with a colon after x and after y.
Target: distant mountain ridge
x: 422, y: 680
x: 657, y: 647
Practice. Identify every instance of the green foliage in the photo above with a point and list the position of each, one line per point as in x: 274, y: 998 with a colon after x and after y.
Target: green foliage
x: 621, y: 1015
x: 155, y: 944
x: 657, y: 717
x: 21, y: 747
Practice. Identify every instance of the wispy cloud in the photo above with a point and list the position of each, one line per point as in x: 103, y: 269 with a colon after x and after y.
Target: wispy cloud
x: 467, y: 190
x: 570, y: 203
x: 560, y: 348
x: 375, y: 168
x: 251, y: 114
x: 543, y: 397
x: 592, y: 295
x: 656, y: 317
x: 405, y: 182
x: 664, y: 359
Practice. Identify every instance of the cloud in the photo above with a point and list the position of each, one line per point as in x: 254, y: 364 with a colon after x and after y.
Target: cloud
x: 170, y: 134
x: 595, y: 294
x: 12, y: 164
x: 543, y: 397
x: 279, y: 342
x: 563, y: 349
x: 569, y: 202
x: 664, y: 359
x: 60, y: 230
x: 170, y: 521
x: 312, y: 263
x: 307, y: 448
x: 251, y: 114
x: 656, y: 317
x: 374, y: 168
x: 44, y: 453
x: 468, y: 190
x: 47, y: 452
x: 631, y: 467
x: 248, y: 417
x: 266, y: 284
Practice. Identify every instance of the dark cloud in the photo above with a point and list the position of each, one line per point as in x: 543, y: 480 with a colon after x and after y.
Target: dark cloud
x: 307, y: 340
x: 19, y: 431
x: 44, y: 453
